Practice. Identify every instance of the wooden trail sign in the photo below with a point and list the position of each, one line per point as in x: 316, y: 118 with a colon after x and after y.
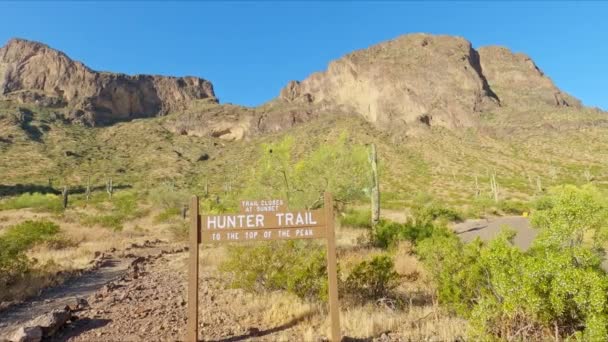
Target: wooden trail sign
x: 263, y: 220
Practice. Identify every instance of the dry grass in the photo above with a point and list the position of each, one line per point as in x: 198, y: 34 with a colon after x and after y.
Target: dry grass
x: 75, y: 248
x: 417, y: 318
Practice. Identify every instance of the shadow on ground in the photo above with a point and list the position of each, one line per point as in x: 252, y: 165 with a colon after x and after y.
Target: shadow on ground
x: 78, y: 327
x: 20, y: 189
x: 254, y: 332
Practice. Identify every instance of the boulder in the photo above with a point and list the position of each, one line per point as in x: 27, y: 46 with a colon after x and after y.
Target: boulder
x: 50, y: 322
x: 27, y: 334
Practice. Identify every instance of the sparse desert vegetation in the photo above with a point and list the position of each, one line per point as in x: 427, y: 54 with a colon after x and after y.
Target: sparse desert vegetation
x: 96, y: 179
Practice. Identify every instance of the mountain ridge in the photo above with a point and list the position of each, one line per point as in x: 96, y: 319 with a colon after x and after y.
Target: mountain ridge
x: 33, y: 72
x: 401, y: 86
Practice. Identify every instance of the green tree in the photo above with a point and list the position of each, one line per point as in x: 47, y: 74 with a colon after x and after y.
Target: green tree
x: 340, y: 167
x: 556, y: 289
x: 570, y: 214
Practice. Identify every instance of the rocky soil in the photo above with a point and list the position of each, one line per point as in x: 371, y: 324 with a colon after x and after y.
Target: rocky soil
x: 147, y: 302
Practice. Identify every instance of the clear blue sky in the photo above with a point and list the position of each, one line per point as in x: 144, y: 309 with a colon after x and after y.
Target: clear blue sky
x: 250, y: 50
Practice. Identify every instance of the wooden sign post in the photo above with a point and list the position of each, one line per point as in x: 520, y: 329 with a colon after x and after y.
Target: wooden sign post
x: 264, y: 220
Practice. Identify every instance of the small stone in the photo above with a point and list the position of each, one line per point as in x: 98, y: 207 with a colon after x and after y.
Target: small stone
x: 27, y: 334
x: 51, y: 322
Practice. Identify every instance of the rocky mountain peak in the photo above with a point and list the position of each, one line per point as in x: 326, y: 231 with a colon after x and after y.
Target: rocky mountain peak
x: 32, y: 72
x: 423, y: 79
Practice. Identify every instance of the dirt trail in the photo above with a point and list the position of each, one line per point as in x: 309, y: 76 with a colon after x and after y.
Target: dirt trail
x: 110, y: 266
x: 149, y: 304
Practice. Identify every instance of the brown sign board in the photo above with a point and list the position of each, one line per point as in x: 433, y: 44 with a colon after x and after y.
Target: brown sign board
x: 262, y: 220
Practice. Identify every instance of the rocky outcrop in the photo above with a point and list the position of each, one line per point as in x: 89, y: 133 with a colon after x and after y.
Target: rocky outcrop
x: 518, y: 82
x: 31, y: 72
x: 401, y: 86
x: 425, y: 80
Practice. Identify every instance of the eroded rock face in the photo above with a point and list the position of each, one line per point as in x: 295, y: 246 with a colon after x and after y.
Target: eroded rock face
x: 517, y: 81
x: 425, y: 80
x: 31, y: 72
x: 412, y: 80
x: 401, y: 86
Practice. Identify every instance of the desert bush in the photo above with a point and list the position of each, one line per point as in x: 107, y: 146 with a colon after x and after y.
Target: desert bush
x: 167, y: 197
x: 387, y: 233
x: 513, y: 207
x: 36, y: 201
x: 555, y: 288
x: 356, y: 219
x: 124, y: 208
x: 434, y: 211
x: 167, y: 214
x: 298, y: 267
x: 371, y: 279
x: 18, y: 239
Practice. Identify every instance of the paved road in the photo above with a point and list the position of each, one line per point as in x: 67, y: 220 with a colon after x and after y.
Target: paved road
x: 487, y: 229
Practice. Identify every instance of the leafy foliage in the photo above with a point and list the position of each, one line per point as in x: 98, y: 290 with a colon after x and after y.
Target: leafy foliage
x: 18, y: 239
x: 570, y: 214
x: 298, y: 267
x: 123, y: 208
x: 557, y: 287
x: 434, y: 211
x: 339, y: 167
x: 37, y: 201
x: 356, y: 219
x: 167, y: 214
x: 372, y: 280
x: 387, y: 233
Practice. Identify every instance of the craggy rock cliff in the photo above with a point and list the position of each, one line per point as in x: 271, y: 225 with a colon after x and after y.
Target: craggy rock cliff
x: 422, y: 79
x: 400, y: 86
x: 32, y: 72
x: 518, y: 82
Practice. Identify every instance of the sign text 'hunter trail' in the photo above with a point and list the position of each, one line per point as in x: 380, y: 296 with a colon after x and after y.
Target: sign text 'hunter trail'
x: 262, y: 220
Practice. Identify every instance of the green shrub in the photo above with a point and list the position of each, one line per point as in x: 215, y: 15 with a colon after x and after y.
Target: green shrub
x: 37, y: 201
x: 556, y: 287
x: 356, y: 219
x: 387, y: 233
x: 167, y: 214
x: 24, y: 235
x: 167, y: 197
x: 124, y: 208
x: 113, y: 221
x: 372, y: 280
x: 513, y: 207
x: 298, y: 267
x: 434, y: 211
x: 18, y: 239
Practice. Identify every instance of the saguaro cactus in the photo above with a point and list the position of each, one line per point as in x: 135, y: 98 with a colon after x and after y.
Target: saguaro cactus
x: 494, y: 186
x: 88, y: 190
x: 184, y: 211
x: 477, y: 190
x: 206, y: 189
x: 375, y: 191
x: 109, y: 187
x: 64, y: 197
